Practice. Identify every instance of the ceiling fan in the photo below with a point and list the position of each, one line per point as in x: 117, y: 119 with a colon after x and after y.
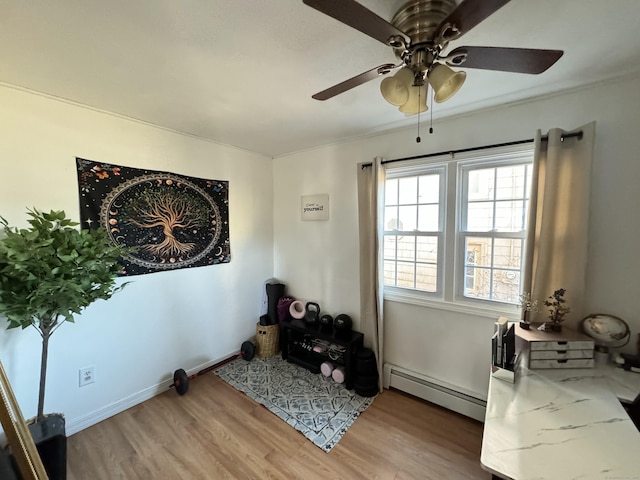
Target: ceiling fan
x: 419, y: 34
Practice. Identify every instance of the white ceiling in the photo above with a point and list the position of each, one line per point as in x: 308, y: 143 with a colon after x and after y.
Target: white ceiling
x: 242, y: 72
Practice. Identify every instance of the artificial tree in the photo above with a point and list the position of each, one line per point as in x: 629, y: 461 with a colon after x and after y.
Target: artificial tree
x: 51, y: 271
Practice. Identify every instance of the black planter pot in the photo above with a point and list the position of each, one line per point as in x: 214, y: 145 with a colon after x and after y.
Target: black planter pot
x: 7, y: 467
x: 50, y: 438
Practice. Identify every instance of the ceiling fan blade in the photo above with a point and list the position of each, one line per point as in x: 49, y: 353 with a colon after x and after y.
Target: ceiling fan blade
x: 470, y: 13
x: 353, y: 14
x: 354, y: 81
x: 518, y: 60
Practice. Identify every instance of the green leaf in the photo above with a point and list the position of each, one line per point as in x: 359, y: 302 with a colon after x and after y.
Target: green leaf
x: 52, y: 270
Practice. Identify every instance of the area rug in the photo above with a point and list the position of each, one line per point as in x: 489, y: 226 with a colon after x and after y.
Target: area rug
x: 321, y: 409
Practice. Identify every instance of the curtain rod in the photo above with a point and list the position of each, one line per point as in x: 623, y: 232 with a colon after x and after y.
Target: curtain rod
x: 544, y: 138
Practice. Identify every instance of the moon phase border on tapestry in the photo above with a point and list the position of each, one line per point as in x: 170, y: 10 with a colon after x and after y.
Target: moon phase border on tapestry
x: 172, y: 221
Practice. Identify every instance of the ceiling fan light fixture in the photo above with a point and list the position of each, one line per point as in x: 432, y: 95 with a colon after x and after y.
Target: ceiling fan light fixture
x: 417, y: 102
x: 395, y: 90
x: 445, y: 82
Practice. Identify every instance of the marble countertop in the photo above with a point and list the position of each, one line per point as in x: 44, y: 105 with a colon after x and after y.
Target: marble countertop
x: 562, y: 424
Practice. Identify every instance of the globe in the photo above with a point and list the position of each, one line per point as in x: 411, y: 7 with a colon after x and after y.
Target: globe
x: 607, y: 331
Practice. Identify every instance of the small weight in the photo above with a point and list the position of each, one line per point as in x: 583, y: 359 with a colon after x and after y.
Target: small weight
x: 343, y: 323
x: 326, y: 322
x: 313, y: 313
x: 181, y: 381
x: 247, y: 350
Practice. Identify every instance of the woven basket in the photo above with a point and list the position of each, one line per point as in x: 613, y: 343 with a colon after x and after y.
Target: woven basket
x: 267, y: 336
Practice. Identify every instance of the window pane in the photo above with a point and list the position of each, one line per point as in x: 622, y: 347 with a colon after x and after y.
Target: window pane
x: 510, y: 216
x: 408, y: 190
x: 429, y: 189
x: 407, y: 248
x: 389, y: 273
x: 391, y: 192
x: 507, y: 252
x: 481, y: 184
x: 469, y: 278
x: 406, y: 275
x: 510, y: 182
x: 391, y: 218
x: 506, y: 285
x: 481, y: 277
x: 428, y: 220
x: 427, y: 249
x: 389, y: 247
x: 426, y: 277
x: 478, y: 251
x: 477, y: 282
x: 480, y: 217
x: 407, y: 218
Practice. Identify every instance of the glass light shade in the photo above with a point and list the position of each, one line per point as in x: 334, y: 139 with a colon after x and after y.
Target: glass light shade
x: 445, y: 82
x: 395, y: 90
x: 417, y: 102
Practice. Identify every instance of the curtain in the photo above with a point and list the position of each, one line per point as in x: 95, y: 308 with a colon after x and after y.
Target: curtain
x: 558, y: 222
x: 371, y: 181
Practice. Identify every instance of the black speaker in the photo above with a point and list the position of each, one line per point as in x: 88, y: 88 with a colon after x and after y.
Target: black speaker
x: 366, y: 362
x: 366, y: 391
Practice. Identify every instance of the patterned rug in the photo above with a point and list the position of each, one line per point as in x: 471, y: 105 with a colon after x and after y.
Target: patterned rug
x: 321, y: 409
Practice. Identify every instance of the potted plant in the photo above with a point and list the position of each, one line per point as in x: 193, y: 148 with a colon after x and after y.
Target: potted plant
x: 557, y: 310
x: 51, y: 271
x: 527, y: 306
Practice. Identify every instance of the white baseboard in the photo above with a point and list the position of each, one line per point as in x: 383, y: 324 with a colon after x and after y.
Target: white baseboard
x: 75, y: 425
x: 435, y: 391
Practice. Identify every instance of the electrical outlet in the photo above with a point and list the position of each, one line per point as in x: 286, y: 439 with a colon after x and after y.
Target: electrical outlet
x: 87, y: 375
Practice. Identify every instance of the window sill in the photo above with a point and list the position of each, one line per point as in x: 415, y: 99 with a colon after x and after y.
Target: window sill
x: 468, y: 308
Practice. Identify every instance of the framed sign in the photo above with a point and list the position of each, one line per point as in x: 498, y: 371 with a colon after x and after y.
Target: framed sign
x: 315, y: 207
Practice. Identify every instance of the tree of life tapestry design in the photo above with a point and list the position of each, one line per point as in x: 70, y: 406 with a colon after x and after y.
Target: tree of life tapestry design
x: 168, y: 221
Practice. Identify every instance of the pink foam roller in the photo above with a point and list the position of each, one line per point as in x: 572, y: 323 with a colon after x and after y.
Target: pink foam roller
x: 338, y: 374
x: 326, y: 368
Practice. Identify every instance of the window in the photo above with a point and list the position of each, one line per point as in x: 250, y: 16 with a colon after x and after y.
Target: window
x: 454, y: 230
x: 413, y: 224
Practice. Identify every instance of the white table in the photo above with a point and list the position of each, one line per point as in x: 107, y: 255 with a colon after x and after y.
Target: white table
x: 562, y: 424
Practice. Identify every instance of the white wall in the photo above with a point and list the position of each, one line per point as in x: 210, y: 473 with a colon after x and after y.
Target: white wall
x: 161, y: 321
x: 319, y: 260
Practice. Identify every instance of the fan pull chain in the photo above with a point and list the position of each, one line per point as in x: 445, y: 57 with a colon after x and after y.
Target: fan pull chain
x: 431, y: 107
x: 418, y: 137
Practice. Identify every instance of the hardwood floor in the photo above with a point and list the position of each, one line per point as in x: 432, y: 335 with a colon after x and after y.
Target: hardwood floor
x: 216, y: 432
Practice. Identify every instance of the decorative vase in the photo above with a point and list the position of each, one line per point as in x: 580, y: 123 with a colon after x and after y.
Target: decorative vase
x: 525, y: 324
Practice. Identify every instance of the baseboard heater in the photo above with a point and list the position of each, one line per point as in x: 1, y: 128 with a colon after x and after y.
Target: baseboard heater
x: 434, y: 391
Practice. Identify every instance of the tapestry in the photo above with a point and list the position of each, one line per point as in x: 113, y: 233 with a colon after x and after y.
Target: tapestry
x: 171, y: 221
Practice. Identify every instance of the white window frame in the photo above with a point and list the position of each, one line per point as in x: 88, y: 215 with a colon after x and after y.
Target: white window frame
x: 451, y: 252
